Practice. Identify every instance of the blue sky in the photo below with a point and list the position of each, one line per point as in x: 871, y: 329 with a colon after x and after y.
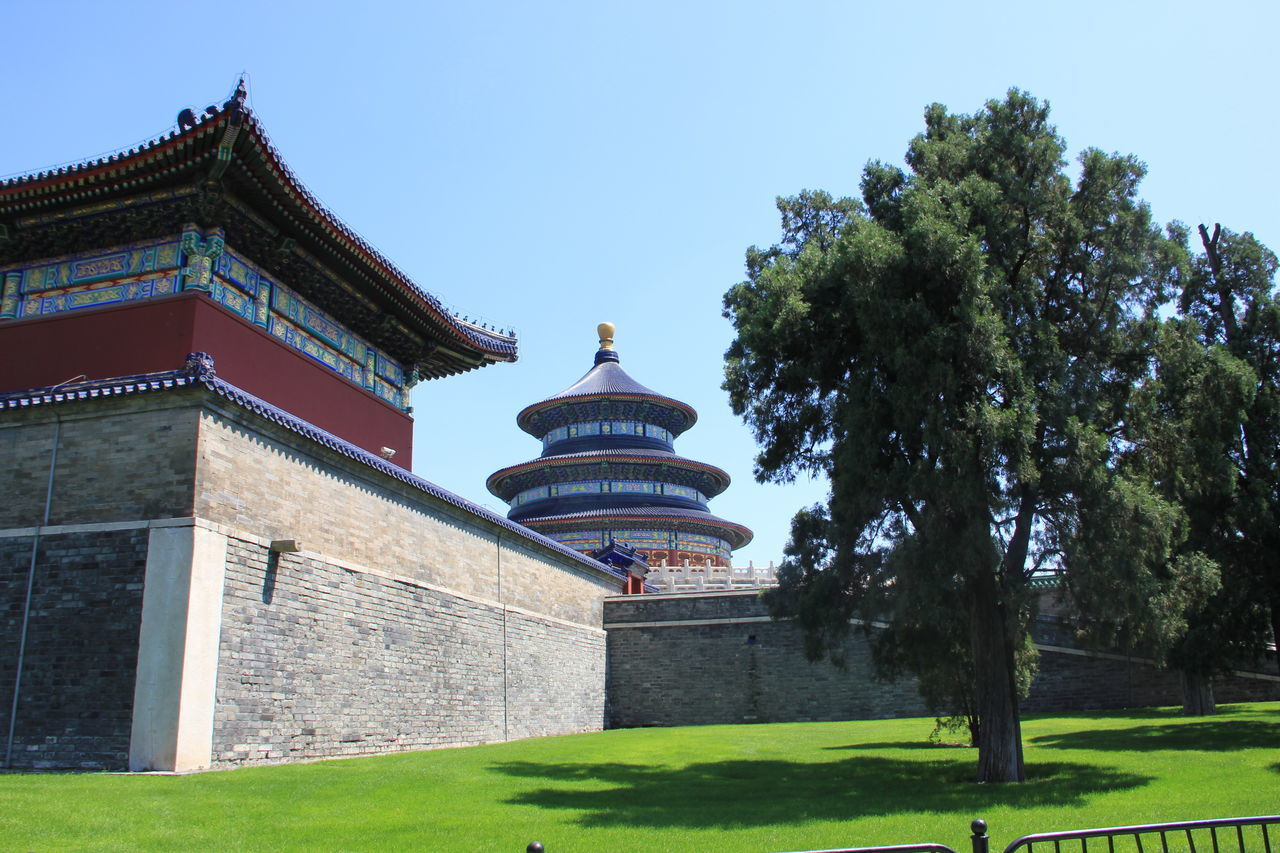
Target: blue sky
x: 548, y: 166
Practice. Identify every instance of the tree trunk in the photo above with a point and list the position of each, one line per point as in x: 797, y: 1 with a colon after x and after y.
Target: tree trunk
x: 1275, y: 628
x: 1000, y: 730
x: 1197, y: 694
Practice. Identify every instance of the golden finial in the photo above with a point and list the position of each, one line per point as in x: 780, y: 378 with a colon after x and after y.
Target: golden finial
x: 606, y: 335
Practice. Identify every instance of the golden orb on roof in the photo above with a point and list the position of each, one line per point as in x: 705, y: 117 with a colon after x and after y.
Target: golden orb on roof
x: 606, y: 335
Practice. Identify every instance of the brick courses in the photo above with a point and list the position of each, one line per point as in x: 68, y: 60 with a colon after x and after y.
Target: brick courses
x: 319, y: 660
x: 717, y: 657
x: 82, y: 647
x: 691, y: 659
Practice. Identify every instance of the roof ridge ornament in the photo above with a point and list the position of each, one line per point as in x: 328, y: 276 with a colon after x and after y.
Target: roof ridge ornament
x: 237, y: 99
x: 606, y: 351
x: 188, y: 119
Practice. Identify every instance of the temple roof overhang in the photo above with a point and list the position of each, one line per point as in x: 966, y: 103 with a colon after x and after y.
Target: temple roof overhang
x: 671, y: 518
x: 596, y: 464
x: 221, y: 166
x: 606, y: 391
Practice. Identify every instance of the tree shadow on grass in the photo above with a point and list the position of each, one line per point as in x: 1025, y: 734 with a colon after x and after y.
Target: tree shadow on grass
x: 744, y: 793
x: 1208, y: 736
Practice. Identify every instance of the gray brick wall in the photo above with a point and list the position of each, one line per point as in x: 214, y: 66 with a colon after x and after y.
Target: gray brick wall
x: 747, y: 668
x: 1073, y: 682
x: 76, y: 704
x: 118, y: 460
x: 317, y: 660
x: 260, y: 478
x: 739, y: 666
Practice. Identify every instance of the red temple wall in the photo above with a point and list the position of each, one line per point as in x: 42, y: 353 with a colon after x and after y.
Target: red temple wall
x: 157, y: 334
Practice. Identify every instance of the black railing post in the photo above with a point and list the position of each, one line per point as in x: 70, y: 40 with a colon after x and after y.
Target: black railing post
x: 981, y: 842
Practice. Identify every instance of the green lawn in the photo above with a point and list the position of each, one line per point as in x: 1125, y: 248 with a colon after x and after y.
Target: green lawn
x: 712, y: 788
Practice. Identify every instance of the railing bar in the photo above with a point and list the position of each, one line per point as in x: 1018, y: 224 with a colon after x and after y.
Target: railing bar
x: 1084, y: 845
x: 1111, y: 844
x: 1213, y: 836
x: 1164, y: 841
x: 1191, y: 842
x: 1266, y: 841
x: 1240, y: 838
x: 1137, y: 836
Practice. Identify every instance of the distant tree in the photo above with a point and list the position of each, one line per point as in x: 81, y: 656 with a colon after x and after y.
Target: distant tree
x: 1181, y: 429
x: 957, y: 352
x: 1231, y: 297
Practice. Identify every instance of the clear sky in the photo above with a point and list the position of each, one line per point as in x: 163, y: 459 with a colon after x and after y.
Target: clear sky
x: 546, y: 166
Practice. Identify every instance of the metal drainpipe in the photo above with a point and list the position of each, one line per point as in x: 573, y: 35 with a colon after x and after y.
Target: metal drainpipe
x: 31, y: 576
x: 506, y: 731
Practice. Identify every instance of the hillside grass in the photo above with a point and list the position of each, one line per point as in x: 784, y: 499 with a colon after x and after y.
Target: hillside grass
x: 778, y: 787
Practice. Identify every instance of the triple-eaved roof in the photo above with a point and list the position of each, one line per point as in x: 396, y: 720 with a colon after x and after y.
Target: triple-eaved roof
x: 221, y: 167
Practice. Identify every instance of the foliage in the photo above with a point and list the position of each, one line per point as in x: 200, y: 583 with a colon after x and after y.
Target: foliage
x: 1231, y: 305
x: 957, y: 352
x: 789, y: 786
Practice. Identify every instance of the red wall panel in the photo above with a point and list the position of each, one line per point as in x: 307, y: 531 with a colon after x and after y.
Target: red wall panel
x: 157, y: 334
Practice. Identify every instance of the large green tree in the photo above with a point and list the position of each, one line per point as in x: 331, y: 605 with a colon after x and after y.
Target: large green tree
x: 956, y: 351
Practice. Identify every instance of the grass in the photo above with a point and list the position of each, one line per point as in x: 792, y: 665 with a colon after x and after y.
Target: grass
x: 775, y: 787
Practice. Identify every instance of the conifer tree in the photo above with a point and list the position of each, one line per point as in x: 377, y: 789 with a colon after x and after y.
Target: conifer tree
x: 957, y: 351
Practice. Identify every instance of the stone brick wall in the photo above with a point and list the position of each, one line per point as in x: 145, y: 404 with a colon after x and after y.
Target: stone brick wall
x: 118, y: 460
x: 1070, y: 681
x: 699, y: 658
x: 76, y: 700
x: 268, y: 482
x: 405, y: 622
x: 320, y: 658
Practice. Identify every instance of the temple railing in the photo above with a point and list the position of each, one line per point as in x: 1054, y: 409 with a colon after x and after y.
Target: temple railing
x: 707, y: 577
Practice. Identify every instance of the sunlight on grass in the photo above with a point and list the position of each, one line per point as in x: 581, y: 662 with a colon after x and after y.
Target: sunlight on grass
x: 773, y: 787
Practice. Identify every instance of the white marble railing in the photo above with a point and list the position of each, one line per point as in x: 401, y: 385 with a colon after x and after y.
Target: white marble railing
x: 692, y: 578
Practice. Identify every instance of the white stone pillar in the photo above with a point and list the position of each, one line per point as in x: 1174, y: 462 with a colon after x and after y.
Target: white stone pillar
x: 173, y: 698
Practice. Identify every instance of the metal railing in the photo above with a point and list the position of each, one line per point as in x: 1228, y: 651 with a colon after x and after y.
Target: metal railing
x: 1239, y: 834
x: 1219, y: 835
x: 979, y: 841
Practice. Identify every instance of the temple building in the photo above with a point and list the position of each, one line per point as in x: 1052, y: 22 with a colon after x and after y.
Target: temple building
x: 204, y: 241
x: 609, y: 476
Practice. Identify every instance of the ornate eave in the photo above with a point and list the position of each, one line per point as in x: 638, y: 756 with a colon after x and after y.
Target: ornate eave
x: 541, y: 418
x: 668, y: 518
x: 221, y: 170
x: 622, y: 464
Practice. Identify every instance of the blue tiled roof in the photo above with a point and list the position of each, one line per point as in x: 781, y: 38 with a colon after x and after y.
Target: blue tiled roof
x: 607, y: 379
x: 202, y: 374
